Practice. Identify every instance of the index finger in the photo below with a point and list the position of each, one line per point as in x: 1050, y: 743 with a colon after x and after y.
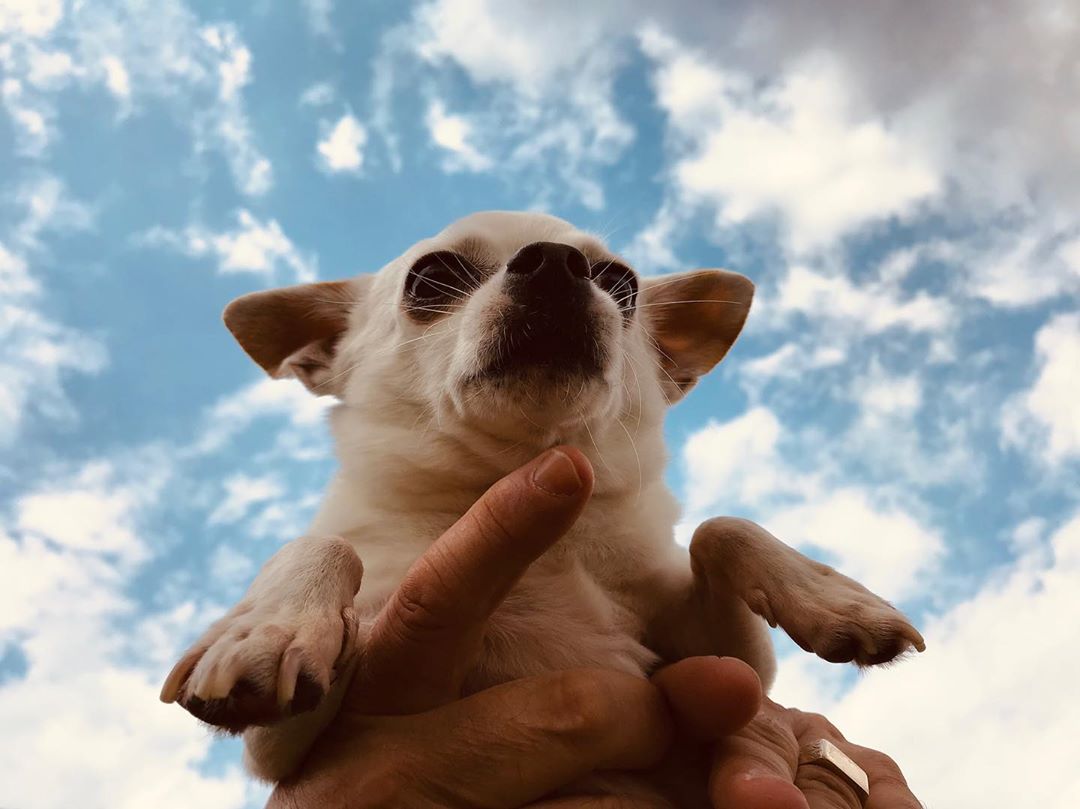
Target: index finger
x: 426, y: 637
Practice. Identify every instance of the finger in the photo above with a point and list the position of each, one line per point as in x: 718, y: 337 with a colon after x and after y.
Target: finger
x: 823, y: 786
x: 826, y: 789
x: 710, y: 697
x: 888, y: 787
x: 754, y: 768
x: 529, y: 737
x: 427, y: 635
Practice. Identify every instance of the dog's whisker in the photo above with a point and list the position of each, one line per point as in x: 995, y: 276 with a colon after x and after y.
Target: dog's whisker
x: 699, y: 300
x: 376, y: 354
x: 592, y: 438
x: 448, y: 287
x: 637, y: 457
x: 637, y: 382
x: 660, y: 365
x: 675, y: 279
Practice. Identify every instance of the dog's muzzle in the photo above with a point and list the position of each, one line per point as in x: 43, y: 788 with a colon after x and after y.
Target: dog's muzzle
x: 549, y: 323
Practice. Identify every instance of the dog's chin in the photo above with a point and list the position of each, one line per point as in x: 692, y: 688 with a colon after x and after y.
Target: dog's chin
x: 534, y: 398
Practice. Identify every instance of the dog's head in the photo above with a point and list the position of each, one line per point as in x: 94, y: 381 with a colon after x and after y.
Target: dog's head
x: 514, y: 322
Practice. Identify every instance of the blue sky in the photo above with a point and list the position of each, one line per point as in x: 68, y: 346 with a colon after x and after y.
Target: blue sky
x: 902, y: 403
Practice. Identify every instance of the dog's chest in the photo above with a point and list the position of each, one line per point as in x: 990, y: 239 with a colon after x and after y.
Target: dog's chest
x: 585, y: 603
x: 559, y: 617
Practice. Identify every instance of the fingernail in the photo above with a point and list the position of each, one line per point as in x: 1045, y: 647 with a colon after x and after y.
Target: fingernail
x: 556, y: 474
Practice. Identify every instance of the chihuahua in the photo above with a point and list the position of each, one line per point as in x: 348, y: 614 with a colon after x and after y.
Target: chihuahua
x: 506, y: 334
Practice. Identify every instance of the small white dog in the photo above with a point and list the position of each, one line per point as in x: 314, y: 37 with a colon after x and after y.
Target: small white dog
x: 502, y: 336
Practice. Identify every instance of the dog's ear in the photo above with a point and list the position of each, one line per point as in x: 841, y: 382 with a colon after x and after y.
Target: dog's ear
x: 293, y: 331
x: 693, y: 318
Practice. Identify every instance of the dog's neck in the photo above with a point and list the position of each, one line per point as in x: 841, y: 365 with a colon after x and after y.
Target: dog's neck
x: 404, y: 454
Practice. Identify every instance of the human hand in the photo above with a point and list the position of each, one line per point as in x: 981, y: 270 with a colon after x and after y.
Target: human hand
x: 502, y: 747
x: 757, y: 766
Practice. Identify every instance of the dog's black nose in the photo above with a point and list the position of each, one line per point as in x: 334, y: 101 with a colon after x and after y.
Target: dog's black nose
x: 557, y: 262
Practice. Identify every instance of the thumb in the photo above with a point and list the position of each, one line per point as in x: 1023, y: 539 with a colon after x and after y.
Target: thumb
x: 426, y: 638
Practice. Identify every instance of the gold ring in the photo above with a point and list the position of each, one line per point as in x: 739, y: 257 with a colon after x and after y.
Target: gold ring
x: 826, y: 754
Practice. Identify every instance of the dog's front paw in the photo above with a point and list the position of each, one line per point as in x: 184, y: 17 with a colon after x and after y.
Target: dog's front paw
x: 259, y: 665
x: 835, y: 617
x: 822, y: 610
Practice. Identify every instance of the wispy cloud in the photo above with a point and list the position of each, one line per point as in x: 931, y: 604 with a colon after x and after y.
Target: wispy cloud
x: 199, y: 70
x: 1045, y: 418
x: 454, y: 134
x: 253, y: 246
x: 341, y: 148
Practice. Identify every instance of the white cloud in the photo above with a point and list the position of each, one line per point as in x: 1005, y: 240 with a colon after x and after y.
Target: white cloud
x: 48, y: 208
x: 884, y: 548
x: 242, y: 492
x: 791, y: 361
x: 884, y: 397
x: 198, y: 71
x: 36, y: 352
x: 454, y: 134
x: 117, y: 79
x: 49, y: 68
x: 81, y: 708
x: 734, y: 461
x: 231, y: 568
x: 15, y: 279
x: 93, y: 511
x: 872, y: 307
x: 33, y: 128
x: 1001, y: 667
x: 285, y: 518
x: 740, y: 467
x: 234, y: 413
x: 1045, y: 418
x: 33, y: 18
x: 511, y: 42
x: 795, y: 148
x: 341, y: 149
x: 234, y: 69
x: 650, y: 250
x: 1032, y: 265
x: 545, y: 91
x: 318, y: 95
x: 228, y: 124
x: 253, y: 246
x: 319, y: 16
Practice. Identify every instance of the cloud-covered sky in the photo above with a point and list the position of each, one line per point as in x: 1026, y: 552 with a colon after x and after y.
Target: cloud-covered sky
x: 900, y: 179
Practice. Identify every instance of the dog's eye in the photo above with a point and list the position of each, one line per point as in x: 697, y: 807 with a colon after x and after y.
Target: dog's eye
x: 617, y: 280
x: 438, y: 278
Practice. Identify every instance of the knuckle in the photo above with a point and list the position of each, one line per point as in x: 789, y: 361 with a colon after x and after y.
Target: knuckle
x: 815, y: 724
x: 883, y: 766
x: 773, y: 733
x: 489, y: 524
x: 417, y: 608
